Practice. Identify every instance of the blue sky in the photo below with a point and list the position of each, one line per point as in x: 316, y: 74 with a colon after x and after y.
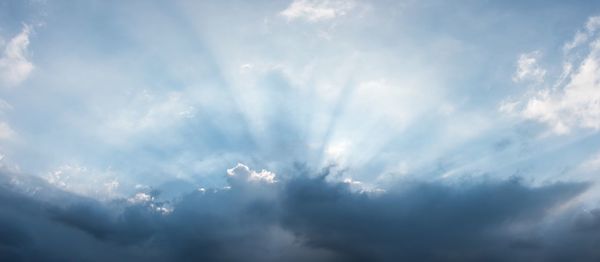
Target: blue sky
x: 106, y: 99
x: 149, y: 92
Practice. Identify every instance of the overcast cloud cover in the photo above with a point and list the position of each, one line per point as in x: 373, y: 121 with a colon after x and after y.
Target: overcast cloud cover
x: 299, y: 130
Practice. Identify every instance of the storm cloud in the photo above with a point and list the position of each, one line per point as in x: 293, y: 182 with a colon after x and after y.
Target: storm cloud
x: 300, y: 217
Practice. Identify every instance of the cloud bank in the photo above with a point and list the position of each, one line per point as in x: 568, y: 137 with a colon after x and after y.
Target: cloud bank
x: 301, y: 216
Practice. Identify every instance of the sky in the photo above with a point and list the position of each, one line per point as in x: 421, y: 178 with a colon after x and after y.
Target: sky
x: 299, y: 130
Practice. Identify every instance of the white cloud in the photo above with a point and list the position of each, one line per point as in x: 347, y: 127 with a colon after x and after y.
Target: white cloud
x: 508, y: 107
x: 581, y: 37
x: 577, y: 105
x: 528, y: 68
x: 593, y: 24
x: 359, y: 186
x: 151, y: 202
x: 251, y: 184
x: 140, y: 197
x: 243, y: 172
x: 14, y: 64
x: 315, y: 10
x: 81, y: 180
x: 573, y: 102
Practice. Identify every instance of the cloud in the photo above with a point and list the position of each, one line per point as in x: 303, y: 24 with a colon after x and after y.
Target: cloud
x: 384, y: 111
x: 592, y: 24
x: 581, y: 37
x: 572, y: 102
x: 84, y: 181
x: 317, y: 10
x: 14, y: 64
x: 301, y: 217
x: 574, y: 106
x: 243, y: 172
x: 528, y: 68
x: 577, y: 40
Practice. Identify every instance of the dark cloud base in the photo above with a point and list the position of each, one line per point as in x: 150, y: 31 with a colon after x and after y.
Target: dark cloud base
x: 305, y: 218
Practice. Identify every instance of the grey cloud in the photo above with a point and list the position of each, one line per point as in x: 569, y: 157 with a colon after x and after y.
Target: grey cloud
x: 422, y: 222
x: 304, y: 217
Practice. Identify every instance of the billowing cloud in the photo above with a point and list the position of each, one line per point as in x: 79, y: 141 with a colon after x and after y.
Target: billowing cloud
x: 302, y: 217
x: 244, y: 173
x: 15, y: 66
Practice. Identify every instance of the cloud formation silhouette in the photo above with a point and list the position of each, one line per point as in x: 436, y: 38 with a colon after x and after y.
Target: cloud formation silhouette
x: 301, y: 217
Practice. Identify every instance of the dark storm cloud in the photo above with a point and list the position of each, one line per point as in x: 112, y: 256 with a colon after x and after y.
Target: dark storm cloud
x: 421, y: 222
x: 304, y: 217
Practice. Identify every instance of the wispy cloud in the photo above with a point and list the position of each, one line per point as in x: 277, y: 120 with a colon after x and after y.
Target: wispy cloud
x: 528, y: 68
x: 317, y: 10
x: 15, y: 66
x: 572, y: 102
